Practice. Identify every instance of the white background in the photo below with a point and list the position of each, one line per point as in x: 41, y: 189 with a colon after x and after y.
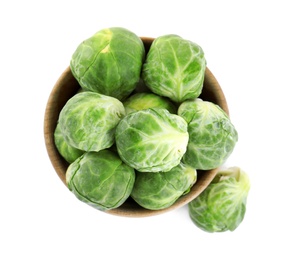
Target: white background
x: 40, y: 218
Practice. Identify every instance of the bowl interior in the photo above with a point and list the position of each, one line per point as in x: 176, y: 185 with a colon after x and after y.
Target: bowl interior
x: 67, y: 86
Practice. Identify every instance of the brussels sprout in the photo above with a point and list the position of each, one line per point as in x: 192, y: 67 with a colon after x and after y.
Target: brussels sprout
x: 212, y: 136
x: 100, y: 179
x: 151, y: 140
x: 160, y: 190
x: 141, y: 101
x: 174, y: 68
x: 109, y: 62
x: 88, y: 120
x: 222, y: 205
x: 69, y: 153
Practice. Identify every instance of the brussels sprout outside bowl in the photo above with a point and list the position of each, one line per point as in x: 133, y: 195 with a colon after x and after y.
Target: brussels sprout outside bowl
x: 67, y: 86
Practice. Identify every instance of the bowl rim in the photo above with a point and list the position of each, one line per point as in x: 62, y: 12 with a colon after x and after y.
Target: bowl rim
x: 60, y: 165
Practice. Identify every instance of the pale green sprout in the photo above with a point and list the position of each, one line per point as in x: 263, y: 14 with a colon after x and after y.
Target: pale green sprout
x: 212, y: 136
x: 88, y: 120
x: 174, y: 68
x: 222, y: 205
x: 160, y: 190
x: 100, y: 179
x: 109, y: 62
x: 151, y: 140
x: 146, y: 100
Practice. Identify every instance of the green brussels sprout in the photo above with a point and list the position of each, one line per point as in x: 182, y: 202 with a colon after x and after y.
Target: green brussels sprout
x: 160, y: 190
x: 100, y: 179
x: 88, y: 120
x: 151, y: 140
x: 222, y: 205
x: 146, y: 100
x: 109, y: 62
x: 69, y: 153
x: 212, y: 136
x: 174, y: 68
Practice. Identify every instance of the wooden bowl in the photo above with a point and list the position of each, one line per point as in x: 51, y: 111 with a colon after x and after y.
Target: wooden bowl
x: 66, y: 86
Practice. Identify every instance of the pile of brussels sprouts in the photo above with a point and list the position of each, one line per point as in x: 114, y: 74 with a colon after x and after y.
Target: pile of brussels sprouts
x: 137, y: 127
